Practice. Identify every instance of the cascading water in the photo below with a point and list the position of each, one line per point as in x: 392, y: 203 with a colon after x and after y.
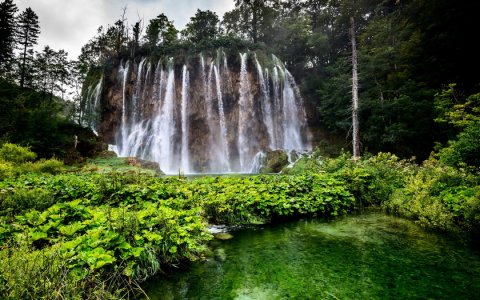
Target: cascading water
x: 185, y: 154
x: 90, y: 113
x: 244, y: 115
x: 163, y: 153
x: 124, y: 126
x: 219, y: 117
x: 223, y: 124
x: 266, y: 106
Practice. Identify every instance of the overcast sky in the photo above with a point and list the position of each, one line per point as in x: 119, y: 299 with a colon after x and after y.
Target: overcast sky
x: 69, y: 24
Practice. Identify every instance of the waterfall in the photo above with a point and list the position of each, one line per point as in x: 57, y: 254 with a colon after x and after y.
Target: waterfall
x: 124, y: 126
x: 166, y: 128
x: 223, y: 127
x: 244, y: 114
x: 277, y: 123
x: 266, y: 106
x: 90, y: 110
x: 185, y: 150
x: 258, y: 162
x: 213, y: 144
x: 138, y: 93
x: 206, y: 115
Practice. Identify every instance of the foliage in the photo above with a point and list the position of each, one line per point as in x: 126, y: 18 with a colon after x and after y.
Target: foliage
x: 91, y: 227
x: 16, y: 154
x: 463, y: 114
x: 160, y: 31
x: 27, y: 35
x: 86, y: 228
x: 7, y: 37
x: 16, y: 160
x: 35, y: 119
x: 439, y: 197
x: 202, y: 26
x: 435, y: 195
x: 464, y: 150
x: 6, y: 169
x: 306, y: 164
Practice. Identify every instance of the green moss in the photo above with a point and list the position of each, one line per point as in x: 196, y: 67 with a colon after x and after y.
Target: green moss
x: 276, y: 160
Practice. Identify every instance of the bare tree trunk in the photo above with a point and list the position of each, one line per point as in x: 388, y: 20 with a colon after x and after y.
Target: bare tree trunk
x: 355, y: 129
x: 254, y: 23
x: 22, y: 74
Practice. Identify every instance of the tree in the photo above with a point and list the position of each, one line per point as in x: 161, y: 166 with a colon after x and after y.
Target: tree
x: 160, y: 31
x: 252, y: 15
x: 52, y: 71
x: 7, y: 36
x: 27, y: 35
x: 137, y: 29
x: 355, y: 126
x: 251, y: 18
x: 202, y: 26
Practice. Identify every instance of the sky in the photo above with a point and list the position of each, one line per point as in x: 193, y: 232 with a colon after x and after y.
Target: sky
x: 69, y: 24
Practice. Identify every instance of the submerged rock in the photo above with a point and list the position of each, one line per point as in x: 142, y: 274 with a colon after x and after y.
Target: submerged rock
x: 223, y: 236
x: 220, y: 254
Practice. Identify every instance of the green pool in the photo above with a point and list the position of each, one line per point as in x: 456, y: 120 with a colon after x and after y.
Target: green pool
x: 368, y: 256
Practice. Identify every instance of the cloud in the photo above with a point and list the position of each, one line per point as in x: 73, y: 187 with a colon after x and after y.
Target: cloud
x: 69, y: 24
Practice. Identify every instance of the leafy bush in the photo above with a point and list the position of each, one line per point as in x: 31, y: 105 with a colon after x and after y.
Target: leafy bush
x: 16, y: 154
x: 133, y: 224
x: 6, y: 170
x: 463, y: 151
x: 306, y: 164
x: 28, y: 274
x: 21, y: 199
x: 50, y: 166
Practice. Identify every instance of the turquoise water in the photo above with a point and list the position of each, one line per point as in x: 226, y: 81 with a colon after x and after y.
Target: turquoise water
x: 369, y: 256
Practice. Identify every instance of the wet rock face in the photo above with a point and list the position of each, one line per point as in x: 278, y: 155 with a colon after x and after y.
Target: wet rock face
x: 204, y: 116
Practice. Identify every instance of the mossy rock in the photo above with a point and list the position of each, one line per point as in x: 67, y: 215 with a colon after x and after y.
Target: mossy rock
x: 106, y: 154
x: 223, y: 236
x: 144, y: 164
x: 274, y: 163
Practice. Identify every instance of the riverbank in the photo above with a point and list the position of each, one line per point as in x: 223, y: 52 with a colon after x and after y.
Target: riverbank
x: 88, y: 234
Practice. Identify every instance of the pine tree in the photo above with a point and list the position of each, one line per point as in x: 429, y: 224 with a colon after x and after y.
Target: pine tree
x: 7, y: 36
x: 27, y: 35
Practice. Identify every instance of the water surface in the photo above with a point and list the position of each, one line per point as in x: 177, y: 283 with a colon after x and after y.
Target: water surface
x: 369, y: 256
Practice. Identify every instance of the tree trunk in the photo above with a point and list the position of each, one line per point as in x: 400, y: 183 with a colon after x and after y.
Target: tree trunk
x: 355, y: 127
x: 254, y: 23
x: 22, y: 73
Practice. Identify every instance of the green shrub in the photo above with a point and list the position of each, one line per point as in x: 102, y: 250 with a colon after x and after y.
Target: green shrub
x: 6, y: 170
x: 16, y: 154
x: 50, y: 166
x: 464, y: 150
x: 22, y: 199
x: 27, y: 274
x: 439, y: 197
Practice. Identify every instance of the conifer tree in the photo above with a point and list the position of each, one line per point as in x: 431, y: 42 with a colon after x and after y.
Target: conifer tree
x: 7, y: 36
x: 27, y: 34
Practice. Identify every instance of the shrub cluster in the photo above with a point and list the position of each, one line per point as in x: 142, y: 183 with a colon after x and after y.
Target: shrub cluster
x: 16, y: 160
x: 433, y: 194
x: 128, y: 226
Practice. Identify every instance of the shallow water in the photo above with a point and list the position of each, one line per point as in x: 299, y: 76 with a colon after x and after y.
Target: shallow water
x: 369, y: 256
